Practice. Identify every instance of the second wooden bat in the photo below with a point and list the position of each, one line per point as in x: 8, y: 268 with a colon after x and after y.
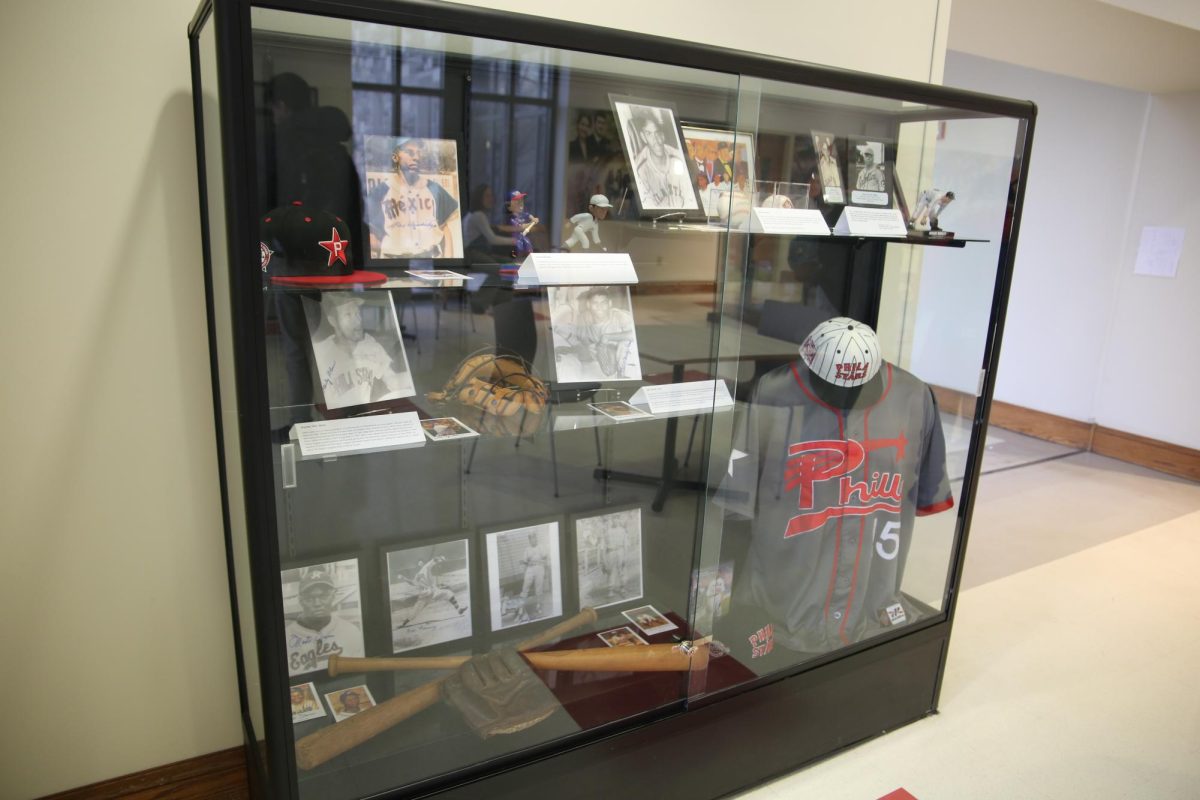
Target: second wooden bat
x: 639, y: 658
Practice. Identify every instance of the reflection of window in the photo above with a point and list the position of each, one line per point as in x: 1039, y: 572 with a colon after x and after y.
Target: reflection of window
x: 398, y: 91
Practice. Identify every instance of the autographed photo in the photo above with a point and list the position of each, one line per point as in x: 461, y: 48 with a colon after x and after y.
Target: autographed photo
x: 411, y: 199
x: 828, y: 168
x: 322, y: 612
x: 429, y: 594
x: 870, y: 183
x: 524, y: 575
x: 662, y: 175
x: 357, y: 348
x: 593, y: 334
x: 608, y: 550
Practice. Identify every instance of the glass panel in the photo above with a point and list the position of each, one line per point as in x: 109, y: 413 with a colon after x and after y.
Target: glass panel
x: 577, y: 490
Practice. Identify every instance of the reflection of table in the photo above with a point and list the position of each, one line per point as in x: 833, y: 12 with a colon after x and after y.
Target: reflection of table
x: 678, y: 346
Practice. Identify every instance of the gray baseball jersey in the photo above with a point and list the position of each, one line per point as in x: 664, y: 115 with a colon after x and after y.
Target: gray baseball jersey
x: 832, y: 494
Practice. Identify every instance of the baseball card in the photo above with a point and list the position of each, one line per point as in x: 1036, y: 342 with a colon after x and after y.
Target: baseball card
x: 345, y: 703
x: 620, y: 411
x: 436, y: 274
x: 429, y: 594
x: 648, y: 620
x: 443, y: 429
x: 305, y: 705
x: 621, y: 637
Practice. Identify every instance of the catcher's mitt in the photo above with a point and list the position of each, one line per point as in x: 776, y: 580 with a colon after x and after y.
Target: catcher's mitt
x: 501, y: 391
x: 498, y: 693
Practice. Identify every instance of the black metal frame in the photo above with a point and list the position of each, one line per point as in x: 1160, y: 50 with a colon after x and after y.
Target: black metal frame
x: 879, y: 684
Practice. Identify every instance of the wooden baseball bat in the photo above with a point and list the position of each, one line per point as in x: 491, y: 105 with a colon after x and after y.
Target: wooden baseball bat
x: 317, y: 748
x: 652, y: 658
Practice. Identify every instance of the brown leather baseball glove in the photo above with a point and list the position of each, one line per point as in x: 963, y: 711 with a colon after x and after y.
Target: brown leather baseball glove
x: 499, y: 693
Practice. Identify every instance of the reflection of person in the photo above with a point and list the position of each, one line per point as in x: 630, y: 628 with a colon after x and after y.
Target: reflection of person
x: 520, y: 222
x: 354, y: 367
x: 535, y: 560
x: 588, y: 223
x: 411, y: 215
x: 429, y: 590
x: 478, y: 232
x: 318, y: 632
x: 871, y: 178
x: 662, y: 175
x: 581, y: 148
x: 603, y: 334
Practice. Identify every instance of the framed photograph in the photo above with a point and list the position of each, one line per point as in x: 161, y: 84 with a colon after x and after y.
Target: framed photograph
x: 345, y: 703
x: 870, y: 178
x: 621, y: 637
x: 829, y: 169
x: 619, y: 410
x: 663, y: 176
x: 411, y: 201
x: 322, y: 612
x: 724, y: 163
x: 524, y: 575
x: 648, y: 620
x: 305, y: 703
x: 429, y: 594
x: 608, y: 557
x: 593, y: 334
x: 442, y: 429
x: 712, y: 588
x: 357, y: 348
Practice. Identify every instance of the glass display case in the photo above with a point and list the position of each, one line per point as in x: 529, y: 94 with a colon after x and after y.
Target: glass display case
x: 586, y: 401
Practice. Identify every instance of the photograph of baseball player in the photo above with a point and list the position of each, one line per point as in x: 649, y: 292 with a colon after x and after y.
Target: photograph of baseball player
x: 524, y: 575
x: 346, y: 703
x: 412, y: 199
x: 608, y: 557
x: 648, y: 620
x: 724, y: 163
x: 869, y: 178
x: 305, y: 705
x: 593, y: 334
x: 621, y: 637
x: 444, y: 428
x: 357, y: 348
x: 829, y: 170
x: 322, y: 613
x: 712, y: 588
x: 663, y: 176
x: 429, y: 593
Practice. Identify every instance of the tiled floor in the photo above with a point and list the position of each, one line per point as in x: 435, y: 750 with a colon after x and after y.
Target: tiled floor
x: 1072, y: 666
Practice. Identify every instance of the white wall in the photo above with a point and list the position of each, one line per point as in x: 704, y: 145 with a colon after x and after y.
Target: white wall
x: 120, y: 652
x: 1073, y: 228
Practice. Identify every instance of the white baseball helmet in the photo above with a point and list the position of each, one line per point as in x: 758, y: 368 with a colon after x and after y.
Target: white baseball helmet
x: 842, y: 351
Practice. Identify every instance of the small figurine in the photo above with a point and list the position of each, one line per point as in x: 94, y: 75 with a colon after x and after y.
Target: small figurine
x: 521, y: 222
x: 588, y: 222
x: 930, y: 205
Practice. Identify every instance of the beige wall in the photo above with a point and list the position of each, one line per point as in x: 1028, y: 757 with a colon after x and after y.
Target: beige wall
x: 120, y: 653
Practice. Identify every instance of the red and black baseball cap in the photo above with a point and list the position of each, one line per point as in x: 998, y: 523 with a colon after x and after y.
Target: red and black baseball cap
x: 308, y: 247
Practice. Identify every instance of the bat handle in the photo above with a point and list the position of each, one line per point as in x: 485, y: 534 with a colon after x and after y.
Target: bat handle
x: 585, y: 617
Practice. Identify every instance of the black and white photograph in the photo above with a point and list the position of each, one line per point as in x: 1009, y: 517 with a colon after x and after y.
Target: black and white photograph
x: 412, y: 199
x: 828, y: 167
x: 357, y: 348
x: 648, y: 620
x: 524, y: 575
x: 429, y: 594
x: 620, y: 410
x: 608, y: 555
x: 593, y: 334
x: 869, y: 179
x: 322, y: 611
x: 712, y: 588
x: 621, y: 637
x: 305, y: 703
x: 442, y: 429
x: 662, y: 173
x: 346, y: 703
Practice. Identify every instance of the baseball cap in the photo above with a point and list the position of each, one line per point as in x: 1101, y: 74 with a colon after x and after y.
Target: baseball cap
x: 516, y: 194
x: 600, y: 201
x: 842, y: 351
x: 315, y: 576
x: 308, y: 247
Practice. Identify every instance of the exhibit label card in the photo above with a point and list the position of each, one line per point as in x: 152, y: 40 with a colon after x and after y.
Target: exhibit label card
x: 870, y: 222
x: 688, y: 396
x: 577, y: 269
x: 794, y: 221
x: 335, y: 437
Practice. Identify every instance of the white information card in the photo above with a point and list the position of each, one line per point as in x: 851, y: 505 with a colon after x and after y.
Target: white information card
x: 689, y: 396
x: 576, y: 269
x: 870, y: 222
x: 339, y: 437
x: 795, y: 221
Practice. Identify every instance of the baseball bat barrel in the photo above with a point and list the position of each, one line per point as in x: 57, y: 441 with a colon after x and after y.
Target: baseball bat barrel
x: 585, y: 617
x: 317, y: 748
x: 339, y: 665
x: 652, y: 658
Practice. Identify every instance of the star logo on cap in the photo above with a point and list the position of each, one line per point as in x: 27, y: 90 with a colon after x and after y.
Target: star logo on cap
x: 336, y: 247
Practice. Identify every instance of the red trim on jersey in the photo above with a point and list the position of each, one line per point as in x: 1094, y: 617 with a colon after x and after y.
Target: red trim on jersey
x: 936, y: 508
x: 862, y: 524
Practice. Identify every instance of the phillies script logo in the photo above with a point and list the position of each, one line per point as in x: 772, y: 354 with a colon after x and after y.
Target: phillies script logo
x: 810, y: 463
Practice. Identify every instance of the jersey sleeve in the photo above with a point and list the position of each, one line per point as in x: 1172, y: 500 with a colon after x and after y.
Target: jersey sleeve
x: 443, y: 204
x: 933, y: 483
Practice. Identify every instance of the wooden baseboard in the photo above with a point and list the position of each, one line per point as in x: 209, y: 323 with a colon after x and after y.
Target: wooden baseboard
x: 216, y: 776
x: 1173, y: 459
